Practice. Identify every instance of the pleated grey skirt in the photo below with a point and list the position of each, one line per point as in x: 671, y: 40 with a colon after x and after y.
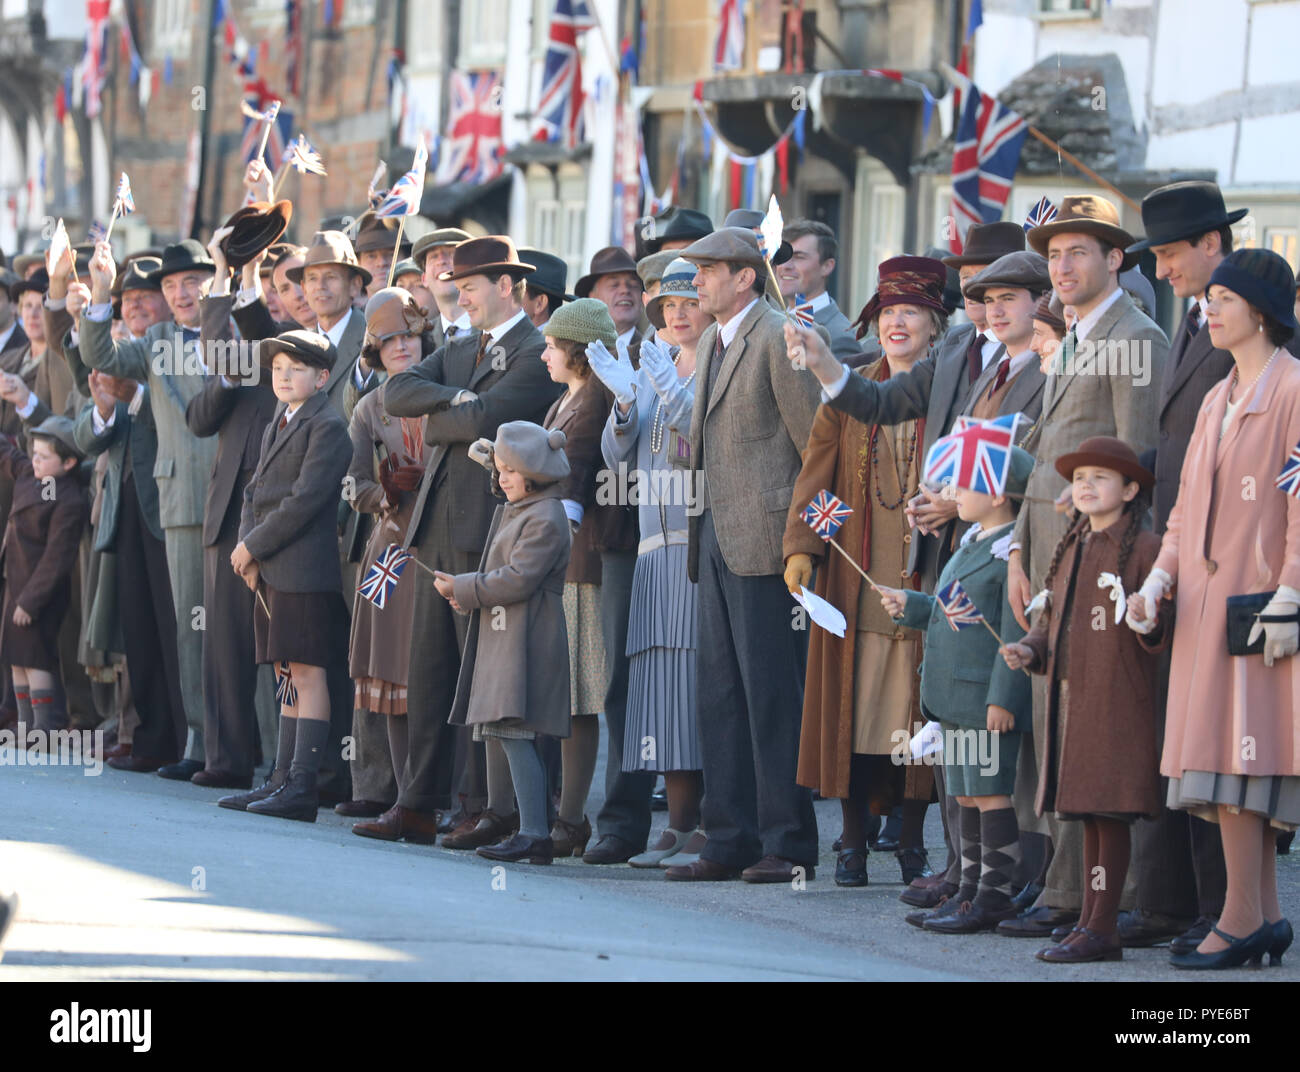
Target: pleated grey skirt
x: 660, y: 733
x: 1276, y: 797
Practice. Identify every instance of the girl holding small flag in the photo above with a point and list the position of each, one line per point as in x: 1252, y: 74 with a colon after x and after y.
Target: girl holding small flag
x: 387, y: 467
x: 860, y: 690
x: 1230, y: 750
x: 982, y: 706
x: 1097, y: 761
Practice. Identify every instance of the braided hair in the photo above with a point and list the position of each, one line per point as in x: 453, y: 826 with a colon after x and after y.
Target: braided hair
x: 1078, y: 523
x: 1135, y: 509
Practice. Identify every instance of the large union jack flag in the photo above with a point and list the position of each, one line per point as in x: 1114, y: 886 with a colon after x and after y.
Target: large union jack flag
x: 383, y: 575
x: 559, y: 106
x: 975, y: 456
x: 1289, y: 479
x: 957, y: 606
x: 471, y: 147
x: 988, y: 142
x: 825, y: 514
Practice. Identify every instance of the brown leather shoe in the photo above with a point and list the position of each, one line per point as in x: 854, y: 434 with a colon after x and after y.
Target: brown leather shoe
x: 361, y: 809
x: 946, y: 907
x: 570, y: 839
x: 777, y: 869
x: 116, y: 752
x: 929, y: 896
x: 1087, y: 945
x: 138, y: 764
x: 1037, y: 922
x: 490, y: 829
x: 701, y: 870
x: 219, y: 779
x: 401, y: 823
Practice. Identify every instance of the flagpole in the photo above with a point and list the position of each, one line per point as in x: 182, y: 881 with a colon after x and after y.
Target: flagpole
x: 392, y: 265
x: 1085, y: 168
x: 266, y: 131
x: 278, y: 177
x: 852, y: 563
x: 112, y: 220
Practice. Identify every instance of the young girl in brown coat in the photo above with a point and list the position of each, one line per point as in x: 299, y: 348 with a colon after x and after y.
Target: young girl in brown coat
x: 1099, y: 762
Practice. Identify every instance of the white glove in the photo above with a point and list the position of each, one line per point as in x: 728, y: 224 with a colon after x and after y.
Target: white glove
x: 1116, y: 586
x: 483, y: 452
x: 615, y: 372
x: 659, y: 367
x: 1153, y: 590
x: 1280, y: 638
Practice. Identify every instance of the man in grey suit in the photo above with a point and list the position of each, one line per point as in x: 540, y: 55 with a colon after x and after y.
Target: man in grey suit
x: 753, y: 412
x: 167, y: 361
x: 467, y: 388
x: 814, y: 250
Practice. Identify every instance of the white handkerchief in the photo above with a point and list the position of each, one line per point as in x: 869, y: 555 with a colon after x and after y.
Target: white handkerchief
x: 1116, y: 586
x: 821, y: 612
x: 1038, y: 602
x: 928, y: 741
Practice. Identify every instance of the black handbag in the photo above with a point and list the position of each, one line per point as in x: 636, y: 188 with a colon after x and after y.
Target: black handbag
x: 1243, y: 613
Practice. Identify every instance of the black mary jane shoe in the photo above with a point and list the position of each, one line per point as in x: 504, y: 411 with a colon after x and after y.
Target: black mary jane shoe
x: 851, y: 868
x: 1283, y: 936
x: 1250, y: 949
x: 914, y: 863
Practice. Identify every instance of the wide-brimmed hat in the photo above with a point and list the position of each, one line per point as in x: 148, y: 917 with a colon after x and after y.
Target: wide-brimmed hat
x: 60, y: 428
x: 907, y: 281
x: 1183, y: 210
x: 734, y: 245
x: 1024, y: 269
x: 651, y: 267
x: 532, y: 452
x: 550, y: 275
x: 310, y: 347
x: 612, y: 260
x: 751, y: 218
x: 1050, y: 312
x: 1106, y: 452
x: 376, y: 235
x: 1086, y: 214
x: 38, y: 281
x: 257, y: 226
x: 678, y: 225
x: 678, y: 282
x: 329, y: 247
x: 1264, y: 279
x: 583, y: 320
x: 986, y: 242
x: 479, y: 256
x: 443, y: 236
x: 185, y: 256
x: 24, y: 262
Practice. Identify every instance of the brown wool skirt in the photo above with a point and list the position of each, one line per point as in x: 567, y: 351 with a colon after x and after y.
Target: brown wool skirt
x: 304, y: 627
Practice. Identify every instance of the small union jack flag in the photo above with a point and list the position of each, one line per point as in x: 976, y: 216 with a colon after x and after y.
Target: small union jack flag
x: 825, y: 514
x: 404, y: 197
x: 382, y: 577
x: 975, y: 456
x: 1289, y: 479
x: 123, y: 200
x: 98, y: 232
x: 1043, y: 212
x: 303, y: 158
x: 286, y: 692
x: 803, y: 311
x: 957, y: 606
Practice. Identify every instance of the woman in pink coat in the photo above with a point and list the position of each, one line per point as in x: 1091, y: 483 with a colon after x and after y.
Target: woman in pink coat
x: 1230, y: 749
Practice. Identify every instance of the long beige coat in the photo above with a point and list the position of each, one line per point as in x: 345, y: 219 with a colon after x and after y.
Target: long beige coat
x: 1232, y: 532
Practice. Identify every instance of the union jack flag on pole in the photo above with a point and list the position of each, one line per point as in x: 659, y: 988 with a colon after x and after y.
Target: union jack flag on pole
x: 729, y: 47
x: 825, y: 514
x: 1042, y: 212
x: 1289, y: 479
x: 957, y: 606
x: 123, y: 202
x: 803, y: 312
x: 559, y: 105
x: 975, y: 456
x: 303, y: 158
x: 471, y: 145
x: 383, y: 575
x: 404, y: 197
x: 263, y: 113
x: 984, y: 161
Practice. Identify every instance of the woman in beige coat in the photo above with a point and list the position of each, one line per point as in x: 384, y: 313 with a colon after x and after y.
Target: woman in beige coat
x: 1230, y: 748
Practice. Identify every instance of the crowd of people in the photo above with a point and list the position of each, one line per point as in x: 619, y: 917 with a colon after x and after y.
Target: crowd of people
x: 405, y: 521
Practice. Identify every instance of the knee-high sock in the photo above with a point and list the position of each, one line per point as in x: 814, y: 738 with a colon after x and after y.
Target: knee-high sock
x: 529, y: 777
x: 23, y: 698
x: 308, y: 745
x: 501, y: 791
x: 285, y: 741
x: 969, y: 826
x: 1000, y: 845
x: 49, y: 714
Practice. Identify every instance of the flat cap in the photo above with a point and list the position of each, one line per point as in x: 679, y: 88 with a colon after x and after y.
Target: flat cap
x: 1023, y: 269
x: 735, y: 245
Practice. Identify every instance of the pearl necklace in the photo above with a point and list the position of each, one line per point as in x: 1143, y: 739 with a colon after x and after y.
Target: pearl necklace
x: 1236, y: 377
x: 660, y: 419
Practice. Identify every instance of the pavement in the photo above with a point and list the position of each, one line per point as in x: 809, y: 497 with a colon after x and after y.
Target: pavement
x: 131, y: 877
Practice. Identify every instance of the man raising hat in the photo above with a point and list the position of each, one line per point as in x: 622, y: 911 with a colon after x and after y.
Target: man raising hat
x: 433, y: 253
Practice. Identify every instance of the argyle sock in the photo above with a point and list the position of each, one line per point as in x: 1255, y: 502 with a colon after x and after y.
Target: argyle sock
x: 308, y: 745
x: 1000, y: 837
x: 969, y: 826
x: 284, y: 747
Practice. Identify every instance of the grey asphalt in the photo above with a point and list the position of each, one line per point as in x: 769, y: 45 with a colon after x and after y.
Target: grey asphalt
x: 128, y: 876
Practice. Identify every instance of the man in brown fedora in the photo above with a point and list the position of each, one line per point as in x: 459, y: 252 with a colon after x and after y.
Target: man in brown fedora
x: 374, y: 246
x: 613, y: 280
x: 433, y: 253
x: 468, y: 387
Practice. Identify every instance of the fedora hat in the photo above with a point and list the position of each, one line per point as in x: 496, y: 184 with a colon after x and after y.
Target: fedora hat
x: 734, y: 245
x: 256, y: 227
x: 375, y: 235
x: 329, y: 247
x: 611, y: 260
x: 309, y: 347
x: 38, y: 281
x: 986, y: 242
x: 479, y: 256
x: 1183, y: 210
x: 443, y: 236
x: 1086, y: 214
x: 678, y: 225
x: 550, y: 274
x: 186, y: 256
x: 748, y: 217
x: 678, y: 282
x: 1106, y: 452
x: 907, y: 281
x: 25, y: 262
x: 1024, y: 269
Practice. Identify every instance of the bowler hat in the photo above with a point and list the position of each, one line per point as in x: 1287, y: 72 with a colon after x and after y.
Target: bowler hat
x: 60, y: 428
x: 481, y: 256
x: 734, y: 245
x: 309, y: 347
x: 986, y: 242
x: 1106, y: 452
x: 550, y: 275
x: 443, y: 236
x: 612, y: 260
x: 678, y: 282
x: 136, y: 273
x: 1264, y: 279
x: 376, y: 235
x: 1086, y: 214
x: 329, y: 247
x: 751, y: 218
x: 1183, y: 210
x: 532, y: 452
x: 38, y: 281
x: 583, y: 320
x: 1023, y: 269
x: 256, y: 227
x: 678, y: 225
x: 906, y: 281
x: 185, y: 256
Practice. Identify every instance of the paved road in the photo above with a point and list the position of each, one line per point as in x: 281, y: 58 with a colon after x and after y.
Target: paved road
x: 127, y: 876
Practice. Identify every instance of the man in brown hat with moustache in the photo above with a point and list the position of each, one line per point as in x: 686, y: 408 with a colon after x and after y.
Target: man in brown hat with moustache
x: 613, y: 280
x: 433, y: 253
x: 468, y: 387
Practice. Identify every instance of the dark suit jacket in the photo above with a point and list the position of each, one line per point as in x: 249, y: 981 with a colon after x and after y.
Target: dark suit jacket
x: 512, y: 385
x: 289, y: 522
